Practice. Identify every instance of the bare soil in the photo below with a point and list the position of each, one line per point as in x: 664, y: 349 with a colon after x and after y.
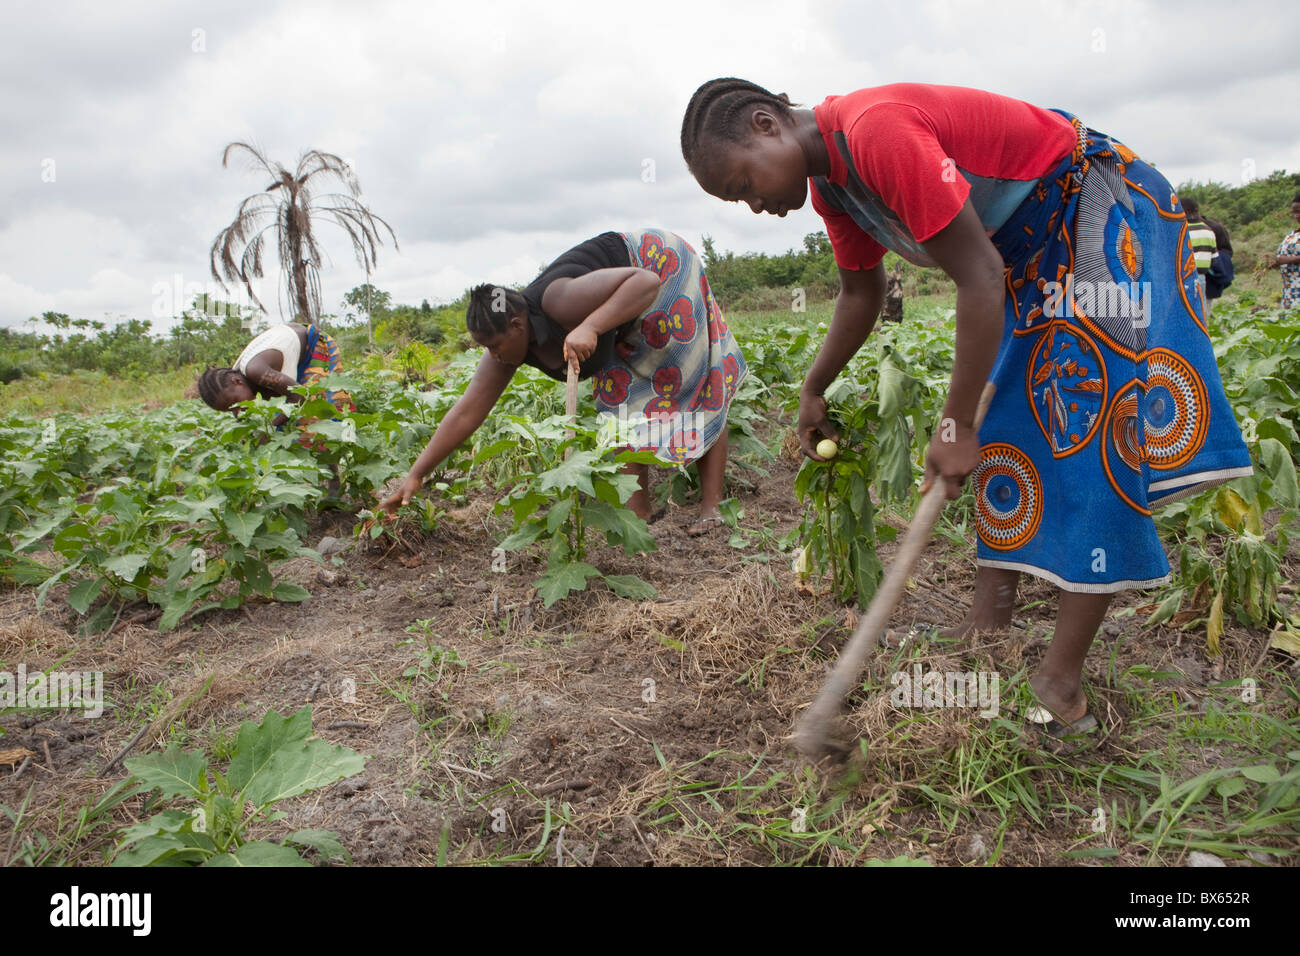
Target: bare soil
x: 602, y: 713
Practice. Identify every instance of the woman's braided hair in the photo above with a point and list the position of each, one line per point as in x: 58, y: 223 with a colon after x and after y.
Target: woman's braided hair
x: 721, y: 108
x: 490, y: 308
x: 211, y: 382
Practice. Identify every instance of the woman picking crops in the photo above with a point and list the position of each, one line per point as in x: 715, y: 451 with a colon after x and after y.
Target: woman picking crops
x: 634, y: 311
x: 1076, y: 296
x: 281, y: 358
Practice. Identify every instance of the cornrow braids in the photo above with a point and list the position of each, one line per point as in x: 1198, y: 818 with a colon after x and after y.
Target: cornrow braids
x: 211, y: 382
x: 720, y: 109
x: 490, y: 308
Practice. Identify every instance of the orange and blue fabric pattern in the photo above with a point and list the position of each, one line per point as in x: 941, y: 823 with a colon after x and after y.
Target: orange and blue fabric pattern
x: 322, y: 358
x: 1109, y: 401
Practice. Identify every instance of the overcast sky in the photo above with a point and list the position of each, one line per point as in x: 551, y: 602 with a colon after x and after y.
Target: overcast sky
x: 494, y: 136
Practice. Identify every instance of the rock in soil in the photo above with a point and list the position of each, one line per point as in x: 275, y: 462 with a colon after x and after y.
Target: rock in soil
x: 1197, y: 858
x: 329, y: 545
x: 973, y: 849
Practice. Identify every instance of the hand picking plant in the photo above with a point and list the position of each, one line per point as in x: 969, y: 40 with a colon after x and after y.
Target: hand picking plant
x: 839, y: 532
x: 585, y: 490
x: 272, y: 761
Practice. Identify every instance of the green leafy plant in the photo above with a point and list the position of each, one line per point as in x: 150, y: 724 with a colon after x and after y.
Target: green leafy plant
x: 561, y: 499
x: 840, y: 531
x: 271, y: 762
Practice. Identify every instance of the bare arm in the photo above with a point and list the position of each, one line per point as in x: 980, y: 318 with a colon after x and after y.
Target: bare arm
x: 963, y: 250
x: 263, y: 373
x: 462, y: 420
x: 856, y: 309
x: 592, y: 304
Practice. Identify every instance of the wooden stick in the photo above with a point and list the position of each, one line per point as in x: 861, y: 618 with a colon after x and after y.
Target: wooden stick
x: 139, y: 735
x: 813, y: 731
x: 570, y: 401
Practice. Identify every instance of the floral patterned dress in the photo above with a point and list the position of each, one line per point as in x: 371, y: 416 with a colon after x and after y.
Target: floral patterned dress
x: 1290, y: 273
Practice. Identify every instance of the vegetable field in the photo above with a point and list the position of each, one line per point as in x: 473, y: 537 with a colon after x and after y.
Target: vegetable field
x: 518, y: 670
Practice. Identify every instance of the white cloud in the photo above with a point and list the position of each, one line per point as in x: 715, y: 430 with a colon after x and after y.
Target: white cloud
x: 494, y: 135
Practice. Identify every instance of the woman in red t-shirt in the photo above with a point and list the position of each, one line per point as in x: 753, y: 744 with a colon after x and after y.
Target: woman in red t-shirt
x: 1076, y: 296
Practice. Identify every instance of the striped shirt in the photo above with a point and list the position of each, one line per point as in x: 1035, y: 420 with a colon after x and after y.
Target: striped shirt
x: 1201, y: 238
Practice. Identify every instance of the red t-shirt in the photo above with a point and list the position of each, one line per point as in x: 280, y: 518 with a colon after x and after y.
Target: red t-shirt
x: 918, y: 150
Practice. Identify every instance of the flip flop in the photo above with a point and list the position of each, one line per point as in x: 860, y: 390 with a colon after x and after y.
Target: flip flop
x: 898, y: 636
x: 1042, y: 718
x: 703, y: 526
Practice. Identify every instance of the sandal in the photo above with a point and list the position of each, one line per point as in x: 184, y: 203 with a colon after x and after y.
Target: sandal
x: 1042, y: 719
x: 898, y: 636
x: 704, y: 526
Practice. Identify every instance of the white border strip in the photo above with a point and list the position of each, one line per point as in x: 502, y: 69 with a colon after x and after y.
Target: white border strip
x: 1194, y: 484
x: 1108, y: 587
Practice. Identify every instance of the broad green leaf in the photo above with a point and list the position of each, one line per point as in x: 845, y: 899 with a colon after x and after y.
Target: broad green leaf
x: 522, y: 537
x: 493, y: 450
x: 1281, y: 468
x: 73, y: 539
x: 126, y: 566
x: 169, y: 821
x: 570, y: 474
x: 175, y: 609
x: 525, y: 506
x: 323, y: 842
x: 256, y: 744
x: 889, y: 389
x: 630, y: 586
x: 290, y: 593
x: 256, y: 576
x: 1262, y: 773
x: 84, y: 593
x: 176, y: 773
x: 557, y: 582
x: 274, y: 760
x: 616, y: 489
x: 166, y: 849
x: 259, y: 853
x: 620, y: 525
x: 242, y: 526
x: 1230, y: 786
x: 558, y: 513
x: 300, y: 768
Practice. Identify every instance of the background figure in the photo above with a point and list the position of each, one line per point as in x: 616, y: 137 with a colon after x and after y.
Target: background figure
x: 893, y: 309
x: 1202, y: 240
x: 1221, y: 271
x: 1288, y: 260
x: 282, y: 357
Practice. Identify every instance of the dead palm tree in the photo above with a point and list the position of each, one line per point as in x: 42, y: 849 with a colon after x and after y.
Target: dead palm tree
x: 290, y: 207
